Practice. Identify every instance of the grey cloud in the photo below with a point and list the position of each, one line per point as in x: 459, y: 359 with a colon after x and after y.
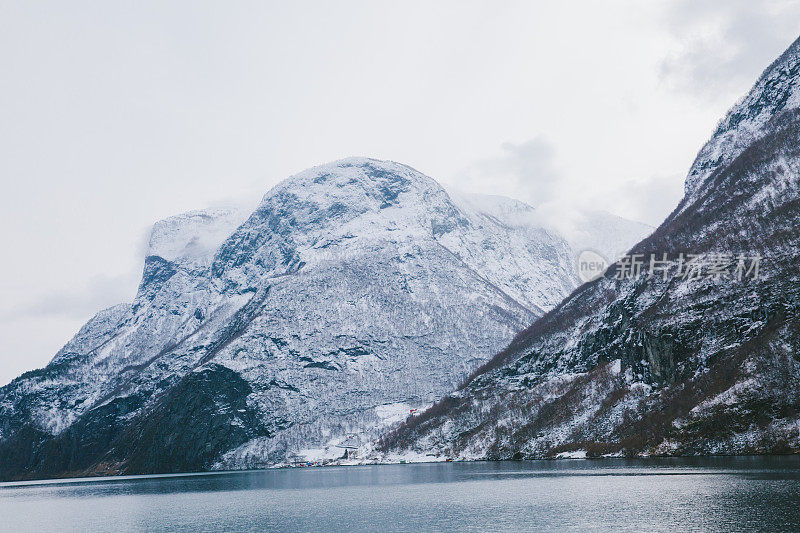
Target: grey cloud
x: 525, y: 171
x: 726, y: 44
x: 649, y: 200
x: 80, y: 302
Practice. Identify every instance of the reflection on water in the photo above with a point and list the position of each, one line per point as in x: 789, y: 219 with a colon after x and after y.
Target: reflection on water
x: 703, y: 494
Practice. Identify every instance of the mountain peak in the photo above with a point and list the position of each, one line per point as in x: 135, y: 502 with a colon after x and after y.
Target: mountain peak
x: 353, y: 177
x: 195, y: 233
x: 775, y: 92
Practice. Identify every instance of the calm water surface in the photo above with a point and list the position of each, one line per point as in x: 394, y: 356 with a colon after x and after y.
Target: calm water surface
x: 710, y: 494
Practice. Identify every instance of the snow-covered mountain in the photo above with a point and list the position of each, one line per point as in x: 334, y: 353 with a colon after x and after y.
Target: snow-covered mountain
x: 355, y: 291
x: 700, y: 359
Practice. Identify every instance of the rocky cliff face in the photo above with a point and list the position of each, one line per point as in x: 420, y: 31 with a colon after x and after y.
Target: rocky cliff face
x: 355, y: 292
x: 702, y: 359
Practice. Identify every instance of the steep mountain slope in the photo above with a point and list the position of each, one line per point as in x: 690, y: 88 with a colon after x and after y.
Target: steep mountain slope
x: 354, y: 292
x: 701, y: 359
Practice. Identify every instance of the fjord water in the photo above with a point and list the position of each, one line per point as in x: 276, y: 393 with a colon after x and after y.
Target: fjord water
x: 703, y: 494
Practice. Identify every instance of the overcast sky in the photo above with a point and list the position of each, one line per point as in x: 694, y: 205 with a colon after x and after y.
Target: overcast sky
x: 116, y: 114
